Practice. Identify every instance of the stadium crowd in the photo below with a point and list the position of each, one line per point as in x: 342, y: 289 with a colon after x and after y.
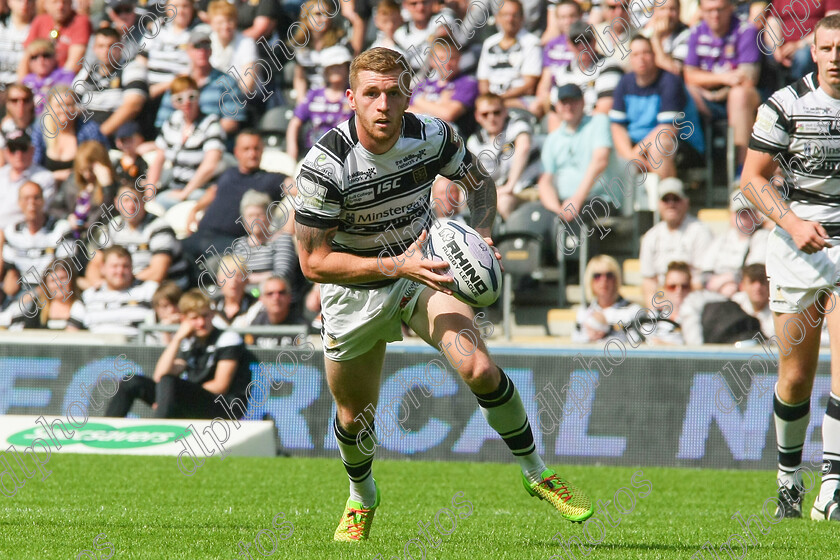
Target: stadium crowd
x: 132, y: 167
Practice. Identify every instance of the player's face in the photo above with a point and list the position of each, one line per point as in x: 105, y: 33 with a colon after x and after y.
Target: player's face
x: 379, y: 104
x: 826, y: 53
x: 117, y: 272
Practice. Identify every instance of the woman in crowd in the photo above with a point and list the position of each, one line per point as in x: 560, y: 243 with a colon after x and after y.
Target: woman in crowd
x: 192, y: 142
x: 599, y: 319
x: 62, y: 302
x: 321, y: 31
x: 235, y: 300
x: 57, y: 143
x: 92, y: 184
x: 43, y: 72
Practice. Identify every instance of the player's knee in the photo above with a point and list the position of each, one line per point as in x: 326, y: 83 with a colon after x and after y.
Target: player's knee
x: 480, y: 370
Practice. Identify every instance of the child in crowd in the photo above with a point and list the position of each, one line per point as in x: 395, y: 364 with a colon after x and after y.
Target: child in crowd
x: 387, y: 20
x: 323, y: 108
x: 165, y: 304
x: 129, y: 166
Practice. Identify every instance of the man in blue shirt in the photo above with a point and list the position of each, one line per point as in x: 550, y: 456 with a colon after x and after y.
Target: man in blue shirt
x: 650, y: 108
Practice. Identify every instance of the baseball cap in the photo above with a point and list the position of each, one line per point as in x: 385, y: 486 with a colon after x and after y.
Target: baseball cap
x: 568, y: 91
x: 579, y: 29
x: 738, y: 201
x: 127, y: 129
x: 18, y: 139
x: 199, y: 35
x: 671, y: 185
x: 116, y: 3
x: 335, y: 55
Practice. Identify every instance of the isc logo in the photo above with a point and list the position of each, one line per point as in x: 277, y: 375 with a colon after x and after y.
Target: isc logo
x: 386, y: 186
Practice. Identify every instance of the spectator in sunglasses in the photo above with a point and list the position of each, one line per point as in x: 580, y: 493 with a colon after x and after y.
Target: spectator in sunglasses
x: 67, y: 30
x: 273, y: 308
x: 20, y: 114
x: 20, y: 169
x: 43, y: 72
x: 607, y: 307
x: 193, y: 142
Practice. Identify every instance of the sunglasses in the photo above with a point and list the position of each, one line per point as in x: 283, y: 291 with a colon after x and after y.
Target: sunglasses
x: 203, y: 45
x: 495, y: 113
x: 36, y: 56
x: 184, y: 97
x: 671, y: 199
x: 607, y: 275
x: 674, y: 287
x: 16, y: 148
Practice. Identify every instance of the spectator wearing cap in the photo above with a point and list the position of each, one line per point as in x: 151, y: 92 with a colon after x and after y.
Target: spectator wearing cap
x: 129, y: 166
x: 20, y: 114
x: 116, y: 94
x: 743, y: 243
x: 323, y: 108
x: 646, y: 103
x: 63, y: 27
x: 511, y: 60
x: 192, y: 141
x: 575, y: 156
x: 43, y: 72
x: 722, y: 69
x: 317, y: 32
x: 124, y: 17
x: 597, y: 82
x: 14, y: 29
x: 231, y: 48
x: 212, y: 85
x: 753, y: 296
x: 20, y: 169
x: 165, y: 55
x: 679, y: 236
x: 448, y: 94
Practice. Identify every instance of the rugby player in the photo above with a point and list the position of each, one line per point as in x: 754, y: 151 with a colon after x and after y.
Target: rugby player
x: 371, y: 172
x: 799, y: 126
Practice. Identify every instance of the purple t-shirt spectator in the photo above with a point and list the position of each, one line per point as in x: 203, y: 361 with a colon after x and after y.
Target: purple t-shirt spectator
x: 322, y: 113
x: 722, y: 54
x: 464, y: 89
x: 41, y: 86
x: 556, y: 53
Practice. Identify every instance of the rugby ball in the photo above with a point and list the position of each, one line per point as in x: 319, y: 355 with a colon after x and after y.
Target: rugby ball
x: 472, y: 263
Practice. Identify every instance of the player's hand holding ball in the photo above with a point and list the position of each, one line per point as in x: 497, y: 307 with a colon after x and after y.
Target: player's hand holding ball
x: 417, y: 267
x: 810, y: 237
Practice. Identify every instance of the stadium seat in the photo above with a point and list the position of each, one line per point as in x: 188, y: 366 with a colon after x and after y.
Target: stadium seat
x: 717, y: 219
x: 273, y: 125
x: 177, y: 217
x: 521, y: 252
x: 631, y: 273
x: 277, y: 161
x: 561, y: 322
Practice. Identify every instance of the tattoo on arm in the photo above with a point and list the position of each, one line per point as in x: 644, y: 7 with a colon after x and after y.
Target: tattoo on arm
x: 311, y: 238
x: 481, y: 199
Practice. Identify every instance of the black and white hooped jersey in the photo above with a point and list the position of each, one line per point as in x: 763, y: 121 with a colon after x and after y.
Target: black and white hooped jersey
x: 379, y: 202
x: 800, y: 127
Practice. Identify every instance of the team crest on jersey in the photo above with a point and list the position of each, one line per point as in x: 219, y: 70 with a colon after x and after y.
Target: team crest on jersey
x: 419, y: 175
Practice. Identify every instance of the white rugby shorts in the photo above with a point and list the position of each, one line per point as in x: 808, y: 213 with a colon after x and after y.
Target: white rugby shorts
x: 796, y: 277
x: 354, y: 319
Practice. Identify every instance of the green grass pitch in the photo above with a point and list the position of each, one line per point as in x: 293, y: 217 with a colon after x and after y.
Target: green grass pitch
x: 149, y: 510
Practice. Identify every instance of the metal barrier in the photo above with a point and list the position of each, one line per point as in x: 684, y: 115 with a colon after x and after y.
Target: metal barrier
x: 257, y: 330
